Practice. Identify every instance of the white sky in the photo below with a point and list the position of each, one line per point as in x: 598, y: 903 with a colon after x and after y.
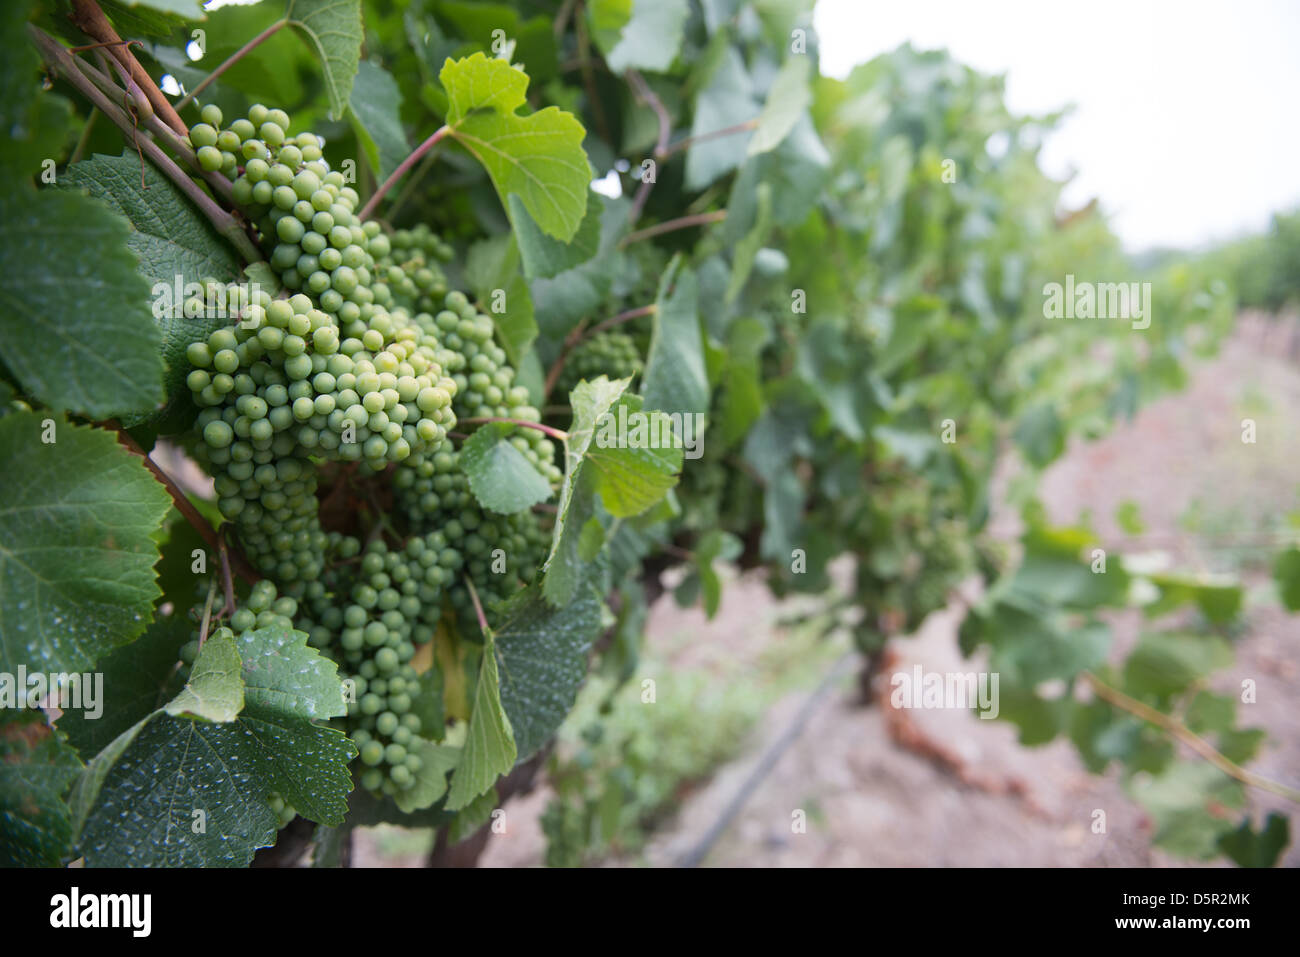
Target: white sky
x: 1187, y: 119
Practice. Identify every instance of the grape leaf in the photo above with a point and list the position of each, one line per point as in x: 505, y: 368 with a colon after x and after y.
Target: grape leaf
x: 787, y: 101
x: 431, y: 780
x: 1250, y: 849
x: 155, y: 18
x: 76, y: 552
x: 1179, y: 802
x: 544, y: 257
x: 635, y: 459
x: 333, y: 29
x: 273, y: 72
x: 534, y: 39
x: 215, y: 690
x: 742, y: 260
x: 489, y: 750
x: 138, y: 797
x: 175, y: 246
x: 499, y: 476
x: 375, y: 111
x: 1166, y: 663
x: 589, y: 401
x: 1286, y: 572
x: 1040, y: 434
x: 138, y: 678
x: 725, y: 100
x: 543, y: 661
x: 650, y: 39
x: 713, y: 545
x: 538, y: 157
x: 492, y: 272
x: 675, y: 379
x: 36, y: 768
x: 78, y: 334
x: 35, y: 121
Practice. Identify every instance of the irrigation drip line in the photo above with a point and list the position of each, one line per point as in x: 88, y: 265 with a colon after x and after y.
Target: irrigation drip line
x: 771, y: 757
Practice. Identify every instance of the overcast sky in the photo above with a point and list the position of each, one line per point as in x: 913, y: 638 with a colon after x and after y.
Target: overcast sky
x: 1187, y: 119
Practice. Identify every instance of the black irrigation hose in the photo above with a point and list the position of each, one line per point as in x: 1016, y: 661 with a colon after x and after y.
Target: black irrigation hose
x: 695, y: 856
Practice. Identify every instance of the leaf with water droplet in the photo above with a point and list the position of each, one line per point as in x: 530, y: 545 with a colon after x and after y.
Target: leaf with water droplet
x: 140, y: 797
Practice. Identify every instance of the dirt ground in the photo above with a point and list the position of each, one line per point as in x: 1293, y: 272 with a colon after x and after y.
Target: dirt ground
x: 1201, y: 492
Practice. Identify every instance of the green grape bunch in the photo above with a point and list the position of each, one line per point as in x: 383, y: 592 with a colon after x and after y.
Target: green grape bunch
x: 369, y: 360
x: 610, y: 353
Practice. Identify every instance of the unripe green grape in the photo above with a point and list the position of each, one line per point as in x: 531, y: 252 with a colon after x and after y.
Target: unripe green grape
x: 218, y: 434
x: 209, y: 158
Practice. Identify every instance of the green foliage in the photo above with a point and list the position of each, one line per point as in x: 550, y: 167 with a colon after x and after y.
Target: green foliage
x: 842, y: 283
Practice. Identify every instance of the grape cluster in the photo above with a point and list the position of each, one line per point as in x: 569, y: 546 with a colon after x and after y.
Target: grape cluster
x: 329, y: 372
x: 367, y: 360
x: 263, y: 608
x: 411, y: 270
x: 498, y: 553
x: 611, y: 353
x: 371, y: 616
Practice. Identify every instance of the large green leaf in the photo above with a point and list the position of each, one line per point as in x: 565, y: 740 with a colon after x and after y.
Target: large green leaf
x: 544, y: 257
x: 787, y: 100
x: 76, y: 546
x: 635, y: 459
x: 489, y: 750
x: 36, y: 768
x: 543, y: 661
x: 139, y: 678
x: 174, y: 243
x: 375, y: 109
x: 499, y: 475
x: 675, y: 379
x: 648, y: 40
x: 538, y: 157
x: 35, y: 121
x: 77, y: 332
x: 333, y: 30
x: 492, y: 270
x: 139, y: 796
x: 725, y: 100
x: 590, y: 400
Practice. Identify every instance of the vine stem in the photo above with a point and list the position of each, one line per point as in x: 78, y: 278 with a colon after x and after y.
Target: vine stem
x: 62, y: 63
x: 1181, y: 732
x: 186, y: 507
x: 229, y: 62
x: 622, y: 317
x: 219, y: 185
x: 646, y: 95
x: 553, y: 432
x: 478, y: 607
x: 367, y: 210
x: 207, y: 612
x: 671, y: 225
x: 92, y: 22
x: 688, y: 141
x: 553, y: 375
